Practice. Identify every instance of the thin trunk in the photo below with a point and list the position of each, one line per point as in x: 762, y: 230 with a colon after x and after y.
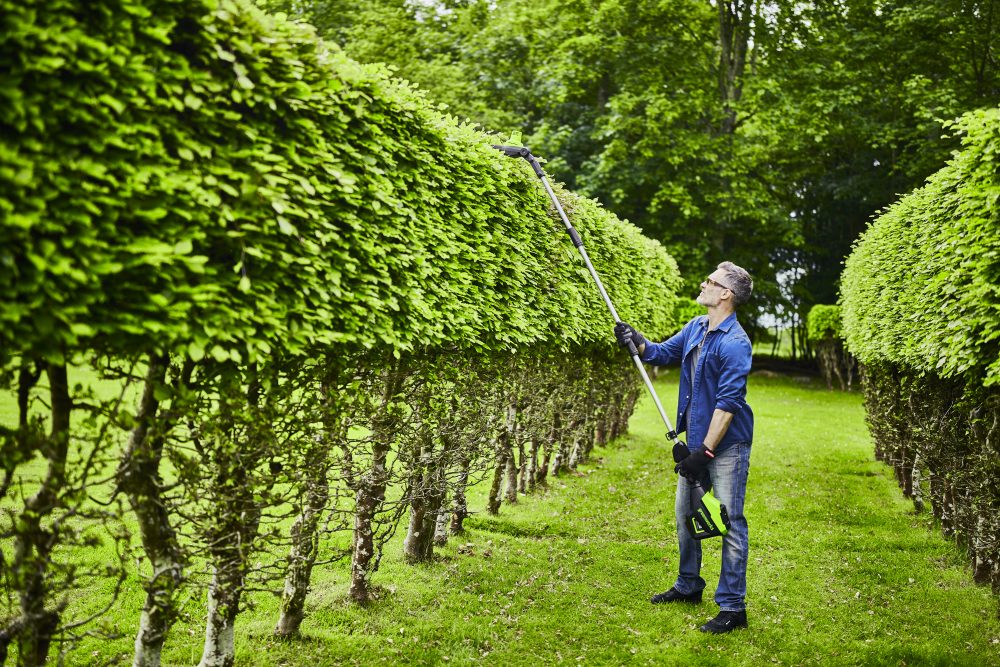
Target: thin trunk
x: 230, y: 567
x: 511, y: 430
x: 522, y: 467
x: 419, y: 541
x: 235, y: 528
x: 511, y: 468
x: 413, y: 543
x: 496, y: 489
x: 915, y: 490
x: 533, y: 465
x: 435, y: 500
x: 734, y: 40
x: 303, y: 552
x: 371, y: 489
x: 574, y: 456
x: 441, y: 523
x: 223, y: 604
x: 139, y: 478
x: 543, y: 468
x: 33, y: 544
x: 460, y: 508
x: 367, y: 501
x: 305, y: 534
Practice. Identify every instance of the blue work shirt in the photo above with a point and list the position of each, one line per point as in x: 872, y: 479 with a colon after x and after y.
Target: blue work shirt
x: 720, y: 379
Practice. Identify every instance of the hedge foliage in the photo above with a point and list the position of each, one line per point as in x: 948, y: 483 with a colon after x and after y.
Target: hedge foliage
x: 921, y: 288
x: 921, y: 303
x: 197, y: 176
x: 823, y: 323
x: 275, y: 243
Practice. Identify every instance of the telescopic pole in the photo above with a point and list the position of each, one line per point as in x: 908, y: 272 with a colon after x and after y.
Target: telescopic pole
x: 521, y: 151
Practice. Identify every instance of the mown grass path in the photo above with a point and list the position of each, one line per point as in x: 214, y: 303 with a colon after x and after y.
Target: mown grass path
x: 841, y: 571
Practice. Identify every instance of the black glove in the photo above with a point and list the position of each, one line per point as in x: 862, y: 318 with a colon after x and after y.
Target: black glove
x: 694, y: 466
x: 625, y: 334
x: 681, y: 452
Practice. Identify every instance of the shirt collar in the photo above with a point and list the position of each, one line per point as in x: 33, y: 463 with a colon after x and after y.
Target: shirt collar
x: 724, y: 325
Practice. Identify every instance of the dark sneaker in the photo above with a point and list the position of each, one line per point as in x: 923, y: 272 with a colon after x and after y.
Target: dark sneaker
x: 726, y: 621
x: 674, y: 596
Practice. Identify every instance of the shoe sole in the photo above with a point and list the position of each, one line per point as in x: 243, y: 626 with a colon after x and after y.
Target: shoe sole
x: 722, y: 632
x: 684, y: 600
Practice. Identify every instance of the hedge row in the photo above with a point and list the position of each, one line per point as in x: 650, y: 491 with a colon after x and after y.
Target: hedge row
x: 216, y: 180
x: 920, y: 289
x: 921, y: 302
x: 274, y: 244
x: 825, y: 333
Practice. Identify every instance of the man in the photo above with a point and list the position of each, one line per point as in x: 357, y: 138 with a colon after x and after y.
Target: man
x: 714, y: 353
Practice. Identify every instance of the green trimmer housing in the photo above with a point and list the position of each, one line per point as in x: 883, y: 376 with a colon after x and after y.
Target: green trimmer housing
x: 710, y: 517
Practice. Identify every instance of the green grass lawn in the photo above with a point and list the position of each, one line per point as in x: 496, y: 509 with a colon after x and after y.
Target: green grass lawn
x: 842, y: 572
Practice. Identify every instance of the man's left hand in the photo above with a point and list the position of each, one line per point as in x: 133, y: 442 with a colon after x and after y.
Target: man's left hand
x: 694, y: 466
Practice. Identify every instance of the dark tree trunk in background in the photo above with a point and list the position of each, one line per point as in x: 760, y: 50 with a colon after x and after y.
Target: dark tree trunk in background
x: 496, y: 488
x: 735, y: 17
x: 33, y: 544
x: 459, y: 508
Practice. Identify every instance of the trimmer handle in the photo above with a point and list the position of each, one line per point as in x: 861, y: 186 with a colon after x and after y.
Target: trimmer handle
x: 513, y: 151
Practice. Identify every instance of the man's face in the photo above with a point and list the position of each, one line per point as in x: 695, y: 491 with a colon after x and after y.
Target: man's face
x: 713, y: 290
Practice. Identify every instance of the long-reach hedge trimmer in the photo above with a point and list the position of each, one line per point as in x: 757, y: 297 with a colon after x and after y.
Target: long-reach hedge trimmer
x: 709, y: 518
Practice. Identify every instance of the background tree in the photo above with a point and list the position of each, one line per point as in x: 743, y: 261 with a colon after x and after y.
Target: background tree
x: 764, y: 132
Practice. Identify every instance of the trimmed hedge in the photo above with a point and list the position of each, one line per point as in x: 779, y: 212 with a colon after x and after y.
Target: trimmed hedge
x: 206, y: 178
x: 921, y: 303
x: 275, y: 243
x: 823, y: 323
x: 825, y: 333
x: 921, y: 287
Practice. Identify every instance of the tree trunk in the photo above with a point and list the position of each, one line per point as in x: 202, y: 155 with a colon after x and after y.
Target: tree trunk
x: 734, y: 39
x: 441, y: 523
x: 427, y: 496
x: 235, y: 523
x: 33, y: 544
x: 543, y: 468
x: 432, y: 509
x: 305, y: 533
x: 522, y: 467
x: 223, y: 605
x: 511, y: 476
x: 496, y: 489
x: 460, y: 508
x: 231, y: 560
x: 138, y: 476
x: 574, y: 456
x: 371, y: 488
x: 367, y: 501
x: 303, y: 552
x: 532, y: 471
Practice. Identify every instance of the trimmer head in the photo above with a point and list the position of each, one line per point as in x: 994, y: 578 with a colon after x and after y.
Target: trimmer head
x: 710, y: 517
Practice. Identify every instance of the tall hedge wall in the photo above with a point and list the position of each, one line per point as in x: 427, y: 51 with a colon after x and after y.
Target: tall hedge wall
x: 921, y: 304
x: 274, y: 243
x: 921, y: 288
x: 207, y: 177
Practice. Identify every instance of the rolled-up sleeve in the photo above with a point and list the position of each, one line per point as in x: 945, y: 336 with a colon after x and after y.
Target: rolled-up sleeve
x: 735, y: 357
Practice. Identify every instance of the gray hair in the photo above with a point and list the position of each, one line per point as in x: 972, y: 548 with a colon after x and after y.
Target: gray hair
x: 738, y: 281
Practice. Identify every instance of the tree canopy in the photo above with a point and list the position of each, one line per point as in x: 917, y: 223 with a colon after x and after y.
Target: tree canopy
x: 766, y: 133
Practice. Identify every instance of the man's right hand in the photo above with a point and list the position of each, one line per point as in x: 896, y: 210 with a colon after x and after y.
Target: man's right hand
x: 625, y: 334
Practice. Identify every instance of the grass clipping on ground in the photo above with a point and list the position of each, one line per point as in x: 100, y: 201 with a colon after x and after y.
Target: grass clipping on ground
x: 841, y: 570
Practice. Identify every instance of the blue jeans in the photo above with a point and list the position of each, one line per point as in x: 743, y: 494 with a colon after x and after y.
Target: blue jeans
x: 728, y: 479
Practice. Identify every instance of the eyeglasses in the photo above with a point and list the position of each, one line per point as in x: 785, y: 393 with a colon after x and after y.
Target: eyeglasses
x: 717, y: 284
